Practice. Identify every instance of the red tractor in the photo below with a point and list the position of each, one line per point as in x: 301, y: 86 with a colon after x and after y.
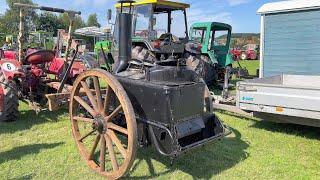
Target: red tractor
x: 38, y: 77
x: 247, y: 52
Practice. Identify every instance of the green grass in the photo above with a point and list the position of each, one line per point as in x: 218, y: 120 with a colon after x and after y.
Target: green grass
x: 251, y: 65
x: 41, y: 147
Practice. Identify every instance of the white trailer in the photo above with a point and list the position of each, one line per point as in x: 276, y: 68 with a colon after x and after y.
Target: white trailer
x: 283, y: 98
x: 288, y: 90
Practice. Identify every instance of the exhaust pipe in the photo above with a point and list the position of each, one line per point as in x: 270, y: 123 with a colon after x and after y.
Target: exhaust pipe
x: 125, y: 37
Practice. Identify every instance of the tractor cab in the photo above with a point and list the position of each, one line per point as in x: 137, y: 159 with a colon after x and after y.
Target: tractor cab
x: 213, y: 39
x: 158, y: 26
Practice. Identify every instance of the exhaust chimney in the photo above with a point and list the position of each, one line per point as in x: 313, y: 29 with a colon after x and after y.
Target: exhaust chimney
x: 125, y: 37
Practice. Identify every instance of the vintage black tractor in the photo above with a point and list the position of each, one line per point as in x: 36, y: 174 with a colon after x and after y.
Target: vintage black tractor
x: 167, y: 106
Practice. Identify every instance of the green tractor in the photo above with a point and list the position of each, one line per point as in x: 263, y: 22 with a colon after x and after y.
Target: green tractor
x: 208, y: 46
x: 160, y: 33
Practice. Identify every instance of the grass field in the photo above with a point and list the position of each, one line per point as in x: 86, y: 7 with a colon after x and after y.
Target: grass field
x: 41, y: 147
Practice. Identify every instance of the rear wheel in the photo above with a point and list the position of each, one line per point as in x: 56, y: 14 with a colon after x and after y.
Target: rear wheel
x: 201, y: 65
x: 144, y: 55
x: 9, y: 100
x: 103, y: 118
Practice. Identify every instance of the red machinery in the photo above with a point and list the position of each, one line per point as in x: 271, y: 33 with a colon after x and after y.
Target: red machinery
x: 38, y: 77
x: 247, y: 52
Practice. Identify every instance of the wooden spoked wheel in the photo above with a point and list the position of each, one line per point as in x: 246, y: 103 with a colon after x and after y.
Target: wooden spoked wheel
x: 103, y: 123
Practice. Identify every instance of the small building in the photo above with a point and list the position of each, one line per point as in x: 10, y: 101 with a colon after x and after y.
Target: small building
x: 290, y: 38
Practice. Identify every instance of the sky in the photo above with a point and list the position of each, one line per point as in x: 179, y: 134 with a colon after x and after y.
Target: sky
x: 241, y: 14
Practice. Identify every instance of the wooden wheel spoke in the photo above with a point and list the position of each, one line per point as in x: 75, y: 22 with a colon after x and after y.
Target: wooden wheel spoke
x: 114, y: 113
x: 98, y: 92
x: 90, y: 95
x: 118, y: 143
x: 107, y: 101
x: 85, y: 105
x: 95, y: 144
x: 83, y: 119
x: 111, y: 153
x: 102, y: 153
x: 117, y: 128
x: 87, y: 135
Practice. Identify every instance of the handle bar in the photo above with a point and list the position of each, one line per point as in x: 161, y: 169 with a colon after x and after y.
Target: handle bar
x: 44, y: 8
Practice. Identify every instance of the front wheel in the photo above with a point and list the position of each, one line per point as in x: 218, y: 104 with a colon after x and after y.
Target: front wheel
x: 9, y: 100
x: 103, y: 118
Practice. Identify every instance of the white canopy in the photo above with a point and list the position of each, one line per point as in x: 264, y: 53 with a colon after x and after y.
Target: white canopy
x: 287, y: 6
x: 91, y: 31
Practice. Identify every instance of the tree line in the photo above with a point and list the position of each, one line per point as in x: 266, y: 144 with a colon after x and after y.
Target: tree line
x: 45, y: 21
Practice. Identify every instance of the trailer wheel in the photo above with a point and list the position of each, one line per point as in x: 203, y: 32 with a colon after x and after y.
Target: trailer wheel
x: 103, y: 116
x: 9, y: 100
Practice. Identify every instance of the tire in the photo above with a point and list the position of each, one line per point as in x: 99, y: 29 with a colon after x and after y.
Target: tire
x: 201, y: 65
x: 9, y: 101
x: 144, y: 55
x: 243, y: 56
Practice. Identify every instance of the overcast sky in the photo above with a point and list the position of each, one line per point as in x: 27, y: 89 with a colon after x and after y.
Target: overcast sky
x: 241, y: 14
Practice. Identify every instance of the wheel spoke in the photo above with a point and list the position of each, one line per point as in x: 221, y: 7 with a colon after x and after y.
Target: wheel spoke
x: 98, y: 92
x: 114, y: 113
x: 90, y: 95
x: 107, y: 101
x: 83, y: 119
x: 102, y: 153
x: 95, y: 144
x: 85, y: 136
x: 111, y: 153
x: 117, y: 142
x: 85, y: 105
x: 117, y: 128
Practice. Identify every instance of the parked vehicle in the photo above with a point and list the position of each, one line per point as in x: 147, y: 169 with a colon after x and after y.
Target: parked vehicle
x: 208, y: 50
x: 247, y: 52
x: 165, y: 105
x: 38, y: 77
x: 152, y: 43
x: 283, y: 98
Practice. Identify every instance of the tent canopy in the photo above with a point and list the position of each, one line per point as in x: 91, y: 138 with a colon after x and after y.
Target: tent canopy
x: 92, y: 31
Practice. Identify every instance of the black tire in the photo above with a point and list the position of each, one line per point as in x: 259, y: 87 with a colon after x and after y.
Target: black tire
x: 201, y: 65
x: 144, y: 55
x: 10, y: 101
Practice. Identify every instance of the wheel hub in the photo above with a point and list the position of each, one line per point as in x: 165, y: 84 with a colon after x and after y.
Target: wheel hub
x: 99, y: 124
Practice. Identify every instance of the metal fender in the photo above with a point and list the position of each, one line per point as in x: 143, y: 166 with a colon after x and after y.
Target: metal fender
x: 11, y: 68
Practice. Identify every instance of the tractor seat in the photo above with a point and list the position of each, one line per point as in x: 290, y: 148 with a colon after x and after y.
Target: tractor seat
x: 40, y: 57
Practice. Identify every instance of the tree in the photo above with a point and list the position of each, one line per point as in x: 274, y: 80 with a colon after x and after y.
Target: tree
x: 10, y: 20
x: 64, y: 20
x: 49, y: 22
x: 93, y: 20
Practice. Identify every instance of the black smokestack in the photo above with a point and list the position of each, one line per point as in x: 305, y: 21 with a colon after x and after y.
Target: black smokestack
x: 125, y: 39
